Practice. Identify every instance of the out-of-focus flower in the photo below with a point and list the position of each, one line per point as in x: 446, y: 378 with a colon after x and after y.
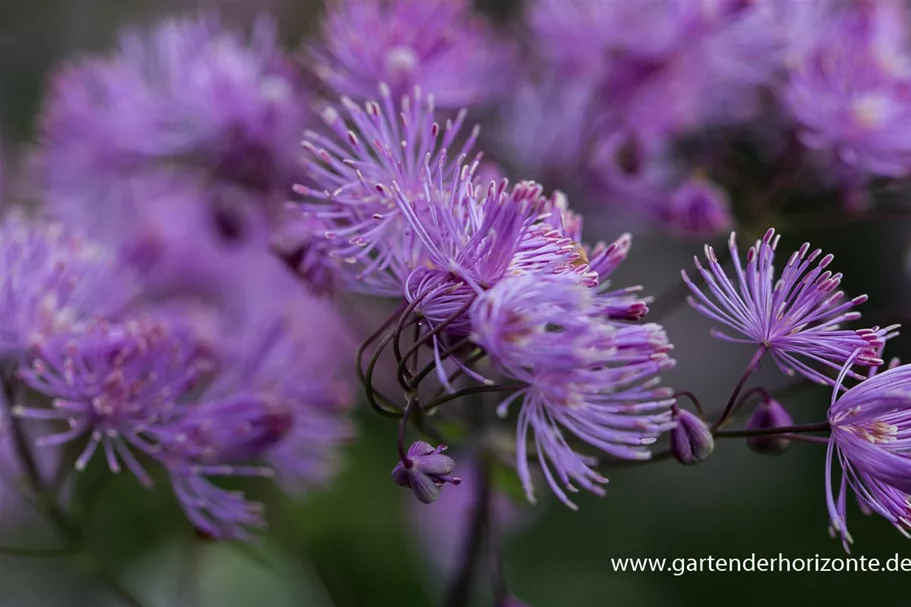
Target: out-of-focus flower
x: 796, y: 318
x: 546, y: 129
x: 598, y: 382
x: 634, y: 176
x: 425, y: 470
x: 114, y: 383
x: 849, y: 86
x: 187, y: 93
x: 769, y: 414
x: 871, y: 427
x: 352, y: 176
x: 300, y: 242
x: 691, y: 439
x: 52, y: 279
x: 441, y: 46
x: 698, y: 208
x: 666, y: 66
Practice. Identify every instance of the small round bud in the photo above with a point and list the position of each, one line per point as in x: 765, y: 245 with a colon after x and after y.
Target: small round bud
x: 691, y: 440
x: 769, y: 414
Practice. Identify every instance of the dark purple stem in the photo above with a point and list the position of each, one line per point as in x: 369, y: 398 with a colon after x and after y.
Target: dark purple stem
x: 818, y: 427
x: 732, y: 401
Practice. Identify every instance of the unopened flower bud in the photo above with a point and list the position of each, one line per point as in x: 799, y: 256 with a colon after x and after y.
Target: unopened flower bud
x: 698, y: 208
x: 769, y: 414
x: 425, y: 470
x: 691, y: 440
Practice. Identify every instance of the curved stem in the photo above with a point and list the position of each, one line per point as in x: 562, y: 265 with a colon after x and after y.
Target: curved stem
x: 818, y: 427
x: 403, y: 322
x: 729, y: 407
x: 411, y: 404
x: 473, y: 390
x: 693, y: 399
x: 409, y: 383
x: 359, y: 357
x: 429, y: 367
x: 368, y: 381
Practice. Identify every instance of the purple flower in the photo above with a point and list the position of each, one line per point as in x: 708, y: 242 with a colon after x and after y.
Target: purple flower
x: 585, y: 373
x: 114, y: 383
x: 796, y: 318
x: 697, y: 208
x: 190, y: 243
x: 351, y: 176
x: 187, y: 92
x: 474, y: 239
x: 691, y: 439
x: 871, y: 427
x: 546, y: 129
x: 425, y: 470
x: 53, y: 280
x: 666, y: 66
x: 849, y: 86
x: 438, y: 45
x: 300, y: 242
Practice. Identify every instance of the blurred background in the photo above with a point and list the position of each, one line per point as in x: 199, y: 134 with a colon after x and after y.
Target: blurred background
x: 364, y: 542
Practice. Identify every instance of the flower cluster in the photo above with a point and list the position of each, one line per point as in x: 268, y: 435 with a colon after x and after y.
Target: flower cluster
x: 180, y: 301
x: 501, y: 266
x: 438, y: 45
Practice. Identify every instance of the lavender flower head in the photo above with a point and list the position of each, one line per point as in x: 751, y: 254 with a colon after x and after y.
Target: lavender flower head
x: 425, y: 470
x: 546, y: 128
x: 112, y: 383
x: 665, y: 66
x: 475, y: 238
x: 438, y: 45
x: 796, y: 318
x: 585, y: 373
x: 849, y: 87
x: 351, y: 176
x: 871, y: 426
x: 52, y: 279
x: 188, y: 93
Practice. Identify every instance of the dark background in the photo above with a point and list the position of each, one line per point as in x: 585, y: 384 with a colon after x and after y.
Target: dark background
x: 355, y: 544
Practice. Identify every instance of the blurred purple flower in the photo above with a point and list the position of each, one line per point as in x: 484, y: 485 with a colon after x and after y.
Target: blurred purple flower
x: 796, y: 318
x: 698, y: 208
x: 546, y: 128
x: 438, y: 45
x: 114, y: 383
x: 666, y: 66
x: 585, y: 372
x: 352, y: 174
x: 185, y: 93
x: 850, y: 85
x: 871, y: 427
x: 53, y: 279
x: 425, y: 470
